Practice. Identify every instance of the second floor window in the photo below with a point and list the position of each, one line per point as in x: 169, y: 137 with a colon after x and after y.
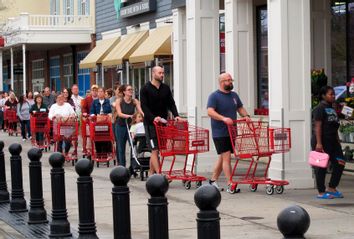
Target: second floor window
x: 55, y: 7
x: 68, y: 8
x: 83, y: 7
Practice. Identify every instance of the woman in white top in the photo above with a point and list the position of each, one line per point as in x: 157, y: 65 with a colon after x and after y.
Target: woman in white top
x: 59, y: 110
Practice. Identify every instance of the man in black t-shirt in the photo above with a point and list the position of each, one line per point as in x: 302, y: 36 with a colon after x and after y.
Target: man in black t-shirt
x: 156, y: 100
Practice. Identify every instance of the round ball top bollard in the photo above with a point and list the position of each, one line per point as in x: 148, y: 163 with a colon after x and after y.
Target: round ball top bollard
x: 157, y: 185
x: 34, y: 154
x: 293, y: 221
x: 56, y: 160
x: 84, y: 167
x: 119, y: 176
x: 207, y: 197
x: 1, y: 145
x: 15, y: 149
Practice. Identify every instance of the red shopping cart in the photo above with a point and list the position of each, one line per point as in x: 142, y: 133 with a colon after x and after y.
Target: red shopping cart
x: 253, y: 141
x: 102, y: 140
x: 40, y: 129
x: 180, y: 138
x: 66, y: 130
x: 11, y: 121
x: 85, y: 134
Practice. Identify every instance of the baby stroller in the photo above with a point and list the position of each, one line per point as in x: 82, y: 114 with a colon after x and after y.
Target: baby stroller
x: 140, y: 155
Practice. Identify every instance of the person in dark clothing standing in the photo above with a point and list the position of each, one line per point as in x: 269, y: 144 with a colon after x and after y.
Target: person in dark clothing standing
x: 156, y: 100
x: 125, y: 107
x: 325, y: 139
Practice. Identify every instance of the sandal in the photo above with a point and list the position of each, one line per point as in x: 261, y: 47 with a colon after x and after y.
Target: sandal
x: 325, y: 196
x: 336, y: 194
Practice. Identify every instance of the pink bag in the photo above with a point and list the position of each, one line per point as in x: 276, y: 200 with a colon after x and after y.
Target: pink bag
x: 318, y: 159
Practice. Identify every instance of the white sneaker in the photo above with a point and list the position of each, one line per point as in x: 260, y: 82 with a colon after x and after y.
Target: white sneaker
x: 24, y: 140
x: 215, y: 184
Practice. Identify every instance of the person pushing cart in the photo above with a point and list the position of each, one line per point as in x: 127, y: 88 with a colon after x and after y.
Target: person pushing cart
x: 223, y: 106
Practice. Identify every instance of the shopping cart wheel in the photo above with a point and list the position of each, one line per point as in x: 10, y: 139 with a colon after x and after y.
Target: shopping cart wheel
x: 253, y: 187
x: 198, y: 184
x: 279, y: 189
x: 269, y: 189
x: 187, y: 185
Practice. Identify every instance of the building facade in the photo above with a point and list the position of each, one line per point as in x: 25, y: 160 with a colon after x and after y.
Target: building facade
x: 44, y: 48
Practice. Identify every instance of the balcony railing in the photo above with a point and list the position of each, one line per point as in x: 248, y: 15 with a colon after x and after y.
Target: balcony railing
x: 32, y: 22
x: 59, y: 21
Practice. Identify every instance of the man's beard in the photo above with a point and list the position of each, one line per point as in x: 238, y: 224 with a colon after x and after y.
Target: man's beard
x: 159, y: 79
x: 229, y: 87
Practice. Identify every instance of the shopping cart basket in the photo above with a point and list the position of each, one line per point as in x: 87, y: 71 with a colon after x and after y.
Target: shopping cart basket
x: 11, y: 121
x: 101, y: 134
x: 180, y: 138
x: 253, y: 141
x: 66, y: 130
x: 40, y: 129
x: 85, y: 134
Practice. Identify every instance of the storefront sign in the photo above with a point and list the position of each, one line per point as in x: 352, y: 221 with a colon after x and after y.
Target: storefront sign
x: 18, y: 70
x: 222, y: 42
x: 138, y: 8
x: 2, y: 41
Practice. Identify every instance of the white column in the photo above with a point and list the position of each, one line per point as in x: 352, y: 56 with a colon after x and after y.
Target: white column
x: 203, y: 63
x: 24, y: 68
x: 289, y: 86
x: 239, y: 49
x: 102, y: 76
x: 179, y: 59
x: 321, y: 36
x: 127, y: 71
x: 12, y: 68
x: 1, y: 73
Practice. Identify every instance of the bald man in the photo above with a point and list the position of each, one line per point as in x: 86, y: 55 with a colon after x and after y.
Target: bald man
x: 223, y: 105
x: 156, y: 100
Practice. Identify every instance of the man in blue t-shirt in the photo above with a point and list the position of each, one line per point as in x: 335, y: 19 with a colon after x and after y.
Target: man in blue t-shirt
x: 223, y: 105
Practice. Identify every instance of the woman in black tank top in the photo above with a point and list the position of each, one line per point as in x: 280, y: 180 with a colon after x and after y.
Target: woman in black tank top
x: 125, y: 107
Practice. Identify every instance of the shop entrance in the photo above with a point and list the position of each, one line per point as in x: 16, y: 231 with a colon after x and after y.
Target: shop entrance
x: 139, y: 75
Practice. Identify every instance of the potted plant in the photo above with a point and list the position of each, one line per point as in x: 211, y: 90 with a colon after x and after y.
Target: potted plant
x: 318, y: 80
x: 346, y: 133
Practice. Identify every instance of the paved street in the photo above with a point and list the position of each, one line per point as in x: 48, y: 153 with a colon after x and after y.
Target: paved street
x: 243, y: 215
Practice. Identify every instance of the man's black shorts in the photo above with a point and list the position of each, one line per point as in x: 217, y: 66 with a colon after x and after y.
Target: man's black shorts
x: 151, y: 137
x: 223, y: 144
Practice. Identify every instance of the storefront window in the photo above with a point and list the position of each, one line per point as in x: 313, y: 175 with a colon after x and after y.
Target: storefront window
x: 339, y: 43
x: 68, y: 70
x: 342, y: 40
x: 38, y: 75
x: 262, y: 57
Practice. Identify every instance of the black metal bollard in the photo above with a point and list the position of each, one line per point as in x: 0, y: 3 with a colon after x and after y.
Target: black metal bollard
x: 18, y: 202
x: 157, y: 186
x: 121, y: 202
x: 293, y: 222
x: 87, y: 225
x: 207, y: 198
x: 60, y: 226
x: 4, y: 194
x: 37, y: 214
